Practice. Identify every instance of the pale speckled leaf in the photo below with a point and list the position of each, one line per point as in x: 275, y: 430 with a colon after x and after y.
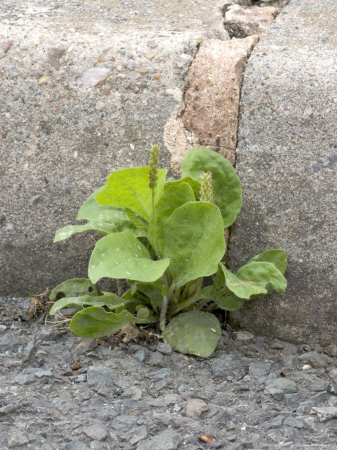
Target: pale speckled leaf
x: 95, y: 322
x: 194, y: 333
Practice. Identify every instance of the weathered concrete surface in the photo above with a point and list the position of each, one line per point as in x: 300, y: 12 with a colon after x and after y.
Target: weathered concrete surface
x: 287, y: 161
x: 59, y: 140
x: 241, y: 21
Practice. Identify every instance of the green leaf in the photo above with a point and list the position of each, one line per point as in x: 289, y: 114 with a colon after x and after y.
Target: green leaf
x: 129, y: 188
x: 67, y: 231
x: 144, y: 315
x: 173, y: 197
x: 276, y: 256
x: 195, y: 185
x: 253, y: 279
x: 194, y: 240
x: 110, y: 300
x: 264, y: 274
x: 229, y: 302
x: 221, y: 295
x: 226, y: 184
x: 122, y: 255
x: 73, y: 288
x: 93, y: 211
x: 194, y: 333
x: 151, y: 291
x: 95, y: 322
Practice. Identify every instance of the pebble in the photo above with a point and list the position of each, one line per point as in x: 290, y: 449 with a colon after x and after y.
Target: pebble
x: 17, y: 438
x: 325, y: 413
x: 316, y: 359
x: 92, y: 77
x: 151, y: 44
x: 166, y: 440
x: 277, y: 388
x: 143, y: 70
x: 244, y: 336
x: 195, y: 407
x: 164, y: 348
x: 97, y: 432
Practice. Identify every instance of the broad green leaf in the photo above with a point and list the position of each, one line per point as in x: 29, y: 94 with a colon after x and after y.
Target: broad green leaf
x: 93, y: 211
x: 242, y: 288
x: 194, y: 333
x: 151, y: 291
x: 226, y: 184
x: 95, y: 322
x: 194, y: 240
x: 229, y: 302
x: 276, y: 256
x: 254, y: 279
x: 73, y: 288
x: 263, y: 273
x: 172, y: 197
x: 221, y: 295
x: 122, y: 255
x: 195, y: 185
x: 129, y: 188
x: 67, y: 231
x: 110, y: 300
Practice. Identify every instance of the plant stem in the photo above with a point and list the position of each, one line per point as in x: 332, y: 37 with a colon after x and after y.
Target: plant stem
x: 163, y: 312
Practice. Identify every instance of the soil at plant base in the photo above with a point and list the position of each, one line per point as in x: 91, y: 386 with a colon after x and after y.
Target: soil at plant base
x: 59, y: 391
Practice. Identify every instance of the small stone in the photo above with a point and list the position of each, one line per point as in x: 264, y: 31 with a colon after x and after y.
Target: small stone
x: 159, y: 374
x: 316, y: 359
x: 150, y: 55
x: 164, y: 348
x: 143, y: 70
x: 259, y: 369
x: 151, y: 44
x: 333, y: 375
x: 156, y: 359
x: 331, y: 350
x: 43, y: 373
x: 139, y: 355
x: 133, y: 392
x: 17, y: 437
x: 43, y: 80
x: 131, y: 66
x: 55, y: 54
x: 279, y: 387
x: 325, y: 413
x: 306, y: 367
x: 100, y: 105
x: 244, y: 336
x: 139, y: 434
x: 96, y: 432
x: 102, y: 379
x: 166, y: 440
x: 156, y: 76
x: 195, y: 407
x: 106, y: 89
x: 292, y: 422
x: 92, y: 77
x: 7, y: 45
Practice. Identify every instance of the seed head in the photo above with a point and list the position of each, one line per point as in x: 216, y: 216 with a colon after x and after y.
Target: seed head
x: 206, y: 187
x: 153, y: 175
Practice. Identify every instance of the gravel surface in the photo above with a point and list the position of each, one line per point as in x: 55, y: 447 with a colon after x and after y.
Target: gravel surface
x: 58, y: 391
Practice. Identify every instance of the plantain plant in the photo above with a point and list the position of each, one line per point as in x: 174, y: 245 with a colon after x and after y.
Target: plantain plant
x: 163, y: 237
